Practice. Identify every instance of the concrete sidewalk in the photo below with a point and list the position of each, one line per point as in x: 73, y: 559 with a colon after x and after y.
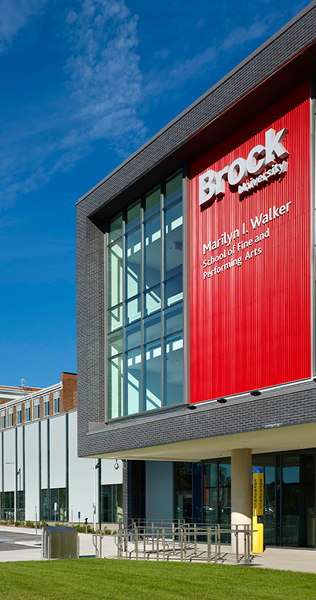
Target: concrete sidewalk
x: 19, y: 544
x: 287, y: 559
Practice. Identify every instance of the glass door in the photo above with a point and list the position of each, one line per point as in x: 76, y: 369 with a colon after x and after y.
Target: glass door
x: 298, y: 499
x: 217, y: 492
x: 266, y: 463
x: 183, y: 492
x: 291, y: 500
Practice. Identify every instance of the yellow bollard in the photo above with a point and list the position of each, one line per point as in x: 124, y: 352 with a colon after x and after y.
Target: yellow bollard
x: 257, y: 536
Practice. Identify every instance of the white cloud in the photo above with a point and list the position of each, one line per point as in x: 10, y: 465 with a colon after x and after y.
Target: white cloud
x: 193, y: 67
x: 200, y: 23
x: 197, y: 66
x: 105, y: 91
x: 242, y: 35
x: 14, y: 15
x: 161, y: 54
x: 102, y: 98
x: 104, y: 76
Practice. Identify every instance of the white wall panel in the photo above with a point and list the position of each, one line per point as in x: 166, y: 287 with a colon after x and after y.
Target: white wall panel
x: 159, y: 490
x: 44, y: 459
x: 19, y: 458
x: 57, y: 452
x: 81, y: 477
x: 109, y: 475
x: 9, y: 462
x: 31, y: 470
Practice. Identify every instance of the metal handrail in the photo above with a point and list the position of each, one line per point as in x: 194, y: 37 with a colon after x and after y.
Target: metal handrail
x: 182, y: 540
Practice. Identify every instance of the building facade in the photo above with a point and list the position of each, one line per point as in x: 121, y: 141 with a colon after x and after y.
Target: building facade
x: 41, y: 475
x: 196, y: 303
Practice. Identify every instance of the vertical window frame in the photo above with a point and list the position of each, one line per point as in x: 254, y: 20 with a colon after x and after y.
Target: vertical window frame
x: 27, y: 407
x: 181, y: 197
x: 56, y: 403
x: 46, y: 405
x: 36, y: 408
x: 19, y: 414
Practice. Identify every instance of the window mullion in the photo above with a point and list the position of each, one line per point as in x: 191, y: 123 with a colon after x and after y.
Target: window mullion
x: 106, y: 321
x: 142, y: 308
x: 124, y: 399
x: 162, y: 292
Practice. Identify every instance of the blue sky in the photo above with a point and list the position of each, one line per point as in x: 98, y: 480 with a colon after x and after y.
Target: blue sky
x: 84, y: 84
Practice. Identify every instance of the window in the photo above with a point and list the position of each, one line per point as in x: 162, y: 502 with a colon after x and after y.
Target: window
x: 20, y: 504
x: 11, y: 417
x: 49, y: 498
x: 145, y: 303
x: 36, y: 408
x: 7, y: 505
x: 56, y: 402
x: 111, y: 503
x: 19, y: 414
x: 46, y: 406
x: 3, y: 419
x: 27, y: 411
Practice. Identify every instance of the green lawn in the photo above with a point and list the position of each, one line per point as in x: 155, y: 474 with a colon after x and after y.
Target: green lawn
x: 88, y: 579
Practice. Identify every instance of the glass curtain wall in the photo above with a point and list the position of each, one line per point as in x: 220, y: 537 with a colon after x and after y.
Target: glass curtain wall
x: 217, y: 492
x: 7, y: 505
x: 48, y: 500
x: 145, y: 303
x: 289, y: 495
x: 289, y: 498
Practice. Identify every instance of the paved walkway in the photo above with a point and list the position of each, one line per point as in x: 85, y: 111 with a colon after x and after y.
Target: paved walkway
x: 19, y: 544
x: 287, y: 559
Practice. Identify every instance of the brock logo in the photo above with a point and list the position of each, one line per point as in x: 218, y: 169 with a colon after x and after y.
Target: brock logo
x: 212, y: 183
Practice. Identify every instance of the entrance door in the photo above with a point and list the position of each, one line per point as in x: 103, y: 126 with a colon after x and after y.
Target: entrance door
x: 217, y: 493
x: 267, y: 464
x: 298, y: 499
x: 289, y: 498
x: 183, y: 492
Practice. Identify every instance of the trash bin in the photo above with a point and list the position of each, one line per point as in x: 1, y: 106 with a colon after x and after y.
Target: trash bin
x: 60, y: 542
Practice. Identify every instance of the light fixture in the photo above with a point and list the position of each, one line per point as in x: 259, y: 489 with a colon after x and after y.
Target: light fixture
x: 116, y: 465
x: 255, y: 393
x: 191, y: 406
x: 222, y: 400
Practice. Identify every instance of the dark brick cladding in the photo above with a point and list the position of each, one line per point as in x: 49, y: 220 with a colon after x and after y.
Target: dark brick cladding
x: 90, y: 267
x: 225, y: 419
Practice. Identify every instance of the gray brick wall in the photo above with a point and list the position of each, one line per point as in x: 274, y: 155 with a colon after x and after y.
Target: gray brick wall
x: 211, y: 420
x: 90, y: 310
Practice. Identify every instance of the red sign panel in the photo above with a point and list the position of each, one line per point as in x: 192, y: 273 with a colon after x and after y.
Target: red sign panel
x: 250, y: 255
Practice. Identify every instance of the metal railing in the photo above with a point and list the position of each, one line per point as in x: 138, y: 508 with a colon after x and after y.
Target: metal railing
x: 97, y: 541
x: 172, y: 541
